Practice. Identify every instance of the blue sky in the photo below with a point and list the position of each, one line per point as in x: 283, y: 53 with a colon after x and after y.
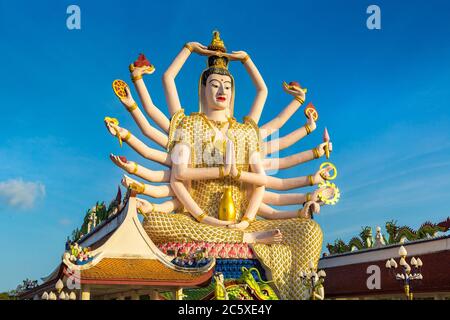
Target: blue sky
x: 383, y: 94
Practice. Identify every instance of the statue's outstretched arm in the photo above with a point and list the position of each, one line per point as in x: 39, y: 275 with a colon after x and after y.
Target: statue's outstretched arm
x: 295, y: 159
x: 153, y: 111
x: 279, y: 121
x: 161, y: 157
x: 292, y: 183
x: 284, y: 199
x: 258, y: 81
x: 287, y: 183
x: 270, y: 213
x: 161, y: 191
x: 168, y: 80
x: 148, y: 130
x: 170, y: 89
x: 288, y: 140
x: 134, y: 168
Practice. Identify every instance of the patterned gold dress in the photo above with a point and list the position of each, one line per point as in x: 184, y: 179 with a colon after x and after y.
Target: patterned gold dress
x: 302, y: 238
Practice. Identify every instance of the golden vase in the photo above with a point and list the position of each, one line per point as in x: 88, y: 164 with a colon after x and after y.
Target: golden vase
x: 227, y: 209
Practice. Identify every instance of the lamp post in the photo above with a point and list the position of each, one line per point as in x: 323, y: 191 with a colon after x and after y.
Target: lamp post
x: 314, y: 280
x: 407, y: 274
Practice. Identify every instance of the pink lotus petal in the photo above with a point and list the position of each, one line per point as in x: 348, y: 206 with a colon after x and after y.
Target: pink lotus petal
x: 223, y: 253
x: 326, y: 136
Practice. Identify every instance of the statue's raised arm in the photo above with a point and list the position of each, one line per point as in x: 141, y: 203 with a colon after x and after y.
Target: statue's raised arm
x: 299, y: 94
x: 258, y: 81
x: 170, y: 89
x: 138, y: 69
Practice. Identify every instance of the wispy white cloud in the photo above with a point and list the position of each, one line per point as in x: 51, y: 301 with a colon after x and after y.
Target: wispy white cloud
x: 65, y: 221
x: 21, y: 194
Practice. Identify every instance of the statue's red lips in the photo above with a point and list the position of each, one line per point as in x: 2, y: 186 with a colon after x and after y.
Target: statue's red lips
x: 221, y: 98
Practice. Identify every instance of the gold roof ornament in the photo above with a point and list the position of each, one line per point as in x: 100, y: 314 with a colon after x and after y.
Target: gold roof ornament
x: 217, y: 43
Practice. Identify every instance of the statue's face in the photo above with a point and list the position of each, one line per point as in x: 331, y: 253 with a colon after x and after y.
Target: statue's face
x: 218, y: 92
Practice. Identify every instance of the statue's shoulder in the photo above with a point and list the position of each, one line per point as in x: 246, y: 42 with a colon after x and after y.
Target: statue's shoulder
x: 250, y: 126
x: 249, y: 130
x: 176, y: 132
x: 250, y: 122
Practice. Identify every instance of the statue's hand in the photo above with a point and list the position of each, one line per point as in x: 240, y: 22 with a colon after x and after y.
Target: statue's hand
x: 311, y: 123
x: 130, y: 183
x: 231, y: 159
x: 240, y: 226
x: 327, y: 193
x: 139, y: 71
x: 140, y: 67
x: 236, y: 55
x: 115, y: 129
x: 123, y: 163
x: 293, y: 88
x: 143, y: 206
x: 310, y: 208
x: 128, y: 101
x: 321, y: 148
x: 318, y: 176
x: 200, y: 49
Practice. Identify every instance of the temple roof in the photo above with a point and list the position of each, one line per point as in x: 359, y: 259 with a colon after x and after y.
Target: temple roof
x: 142, y: 271
x: 347, y: 273
x: 124, y: 255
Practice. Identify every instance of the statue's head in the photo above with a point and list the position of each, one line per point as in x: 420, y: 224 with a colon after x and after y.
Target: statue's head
x: 216, y: 86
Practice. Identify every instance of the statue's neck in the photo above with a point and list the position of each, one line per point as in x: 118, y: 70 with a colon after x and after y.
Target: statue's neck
x: 216, y: 115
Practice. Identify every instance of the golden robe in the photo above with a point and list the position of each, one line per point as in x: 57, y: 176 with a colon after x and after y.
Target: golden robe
x: 302, y: 238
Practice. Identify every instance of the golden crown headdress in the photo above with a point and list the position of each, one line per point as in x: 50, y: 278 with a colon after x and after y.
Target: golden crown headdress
x: 217, y: 61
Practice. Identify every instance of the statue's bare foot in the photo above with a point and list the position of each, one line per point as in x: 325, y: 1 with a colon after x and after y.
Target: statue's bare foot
x: 143, y: 206
x: 265, y: 237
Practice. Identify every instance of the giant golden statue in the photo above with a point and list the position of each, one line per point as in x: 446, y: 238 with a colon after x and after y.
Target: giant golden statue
x: 216, y: 174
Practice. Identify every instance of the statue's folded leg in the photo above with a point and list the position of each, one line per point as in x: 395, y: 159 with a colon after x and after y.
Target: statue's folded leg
x: 181, y: 227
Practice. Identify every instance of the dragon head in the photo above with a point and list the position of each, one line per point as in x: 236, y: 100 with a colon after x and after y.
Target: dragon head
x: 444, y: 225
x: 330, y: 248
x: 391, y: 227
x: 366, y: 232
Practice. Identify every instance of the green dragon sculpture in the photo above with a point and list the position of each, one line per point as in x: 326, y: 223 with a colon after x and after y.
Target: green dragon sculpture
x: 400, y: 234
x: 396, y: 235
x: 245, y: 288
x: 364, y: 241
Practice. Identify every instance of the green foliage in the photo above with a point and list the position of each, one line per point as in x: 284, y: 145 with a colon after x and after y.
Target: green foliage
x: 7, y: 296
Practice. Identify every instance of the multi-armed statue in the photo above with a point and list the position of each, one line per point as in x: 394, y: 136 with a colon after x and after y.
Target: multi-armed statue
x: 217, y: 167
